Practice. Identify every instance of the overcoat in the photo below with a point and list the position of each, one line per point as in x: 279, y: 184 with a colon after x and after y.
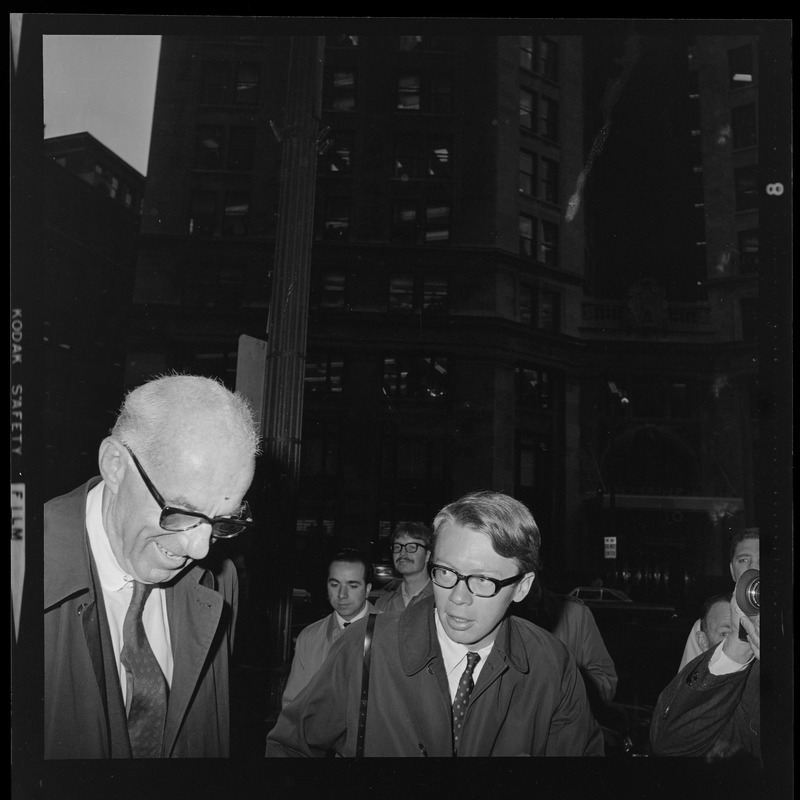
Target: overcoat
x: 83, y: 707
x: 312, y: 646
x: 393, y: 599
x: 701, y: 714
x: 529, y: 699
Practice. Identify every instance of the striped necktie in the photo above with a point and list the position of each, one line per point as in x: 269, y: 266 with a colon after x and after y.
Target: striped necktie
x: 147, y: 690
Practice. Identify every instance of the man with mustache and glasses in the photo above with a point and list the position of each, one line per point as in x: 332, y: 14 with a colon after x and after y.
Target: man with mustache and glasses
x: 453, y: 674
x: 137, y: 634
x: 411, y: 553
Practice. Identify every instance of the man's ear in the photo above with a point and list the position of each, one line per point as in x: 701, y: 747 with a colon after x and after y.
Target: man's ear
x: 733, y: 576
x: 112, y: 462
x: 523, y: 587
x: 702, y: 640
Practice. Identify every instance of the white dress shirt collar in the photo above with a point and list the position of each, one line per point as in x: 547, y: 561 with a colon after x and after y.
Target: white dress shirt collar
x: 112, y: 576
x: 454, y: 656
x: 340, y: 621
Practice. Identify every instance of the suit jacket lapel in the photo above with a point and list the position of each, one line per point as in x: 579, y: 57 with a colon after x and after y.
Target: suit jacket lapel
x: 194, y: 612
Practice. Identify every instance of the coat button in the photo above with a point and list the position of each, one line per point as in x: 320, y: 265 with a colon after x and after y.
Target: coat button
x: 81, y: 608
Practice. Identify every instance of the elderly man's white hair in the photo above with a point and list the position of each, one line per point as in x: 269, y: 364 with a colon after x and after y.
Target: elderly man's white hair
x: 179, y: 407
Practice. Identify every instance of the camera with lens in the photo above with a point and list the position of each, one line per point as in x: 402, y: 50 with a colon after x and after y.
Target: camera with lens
x: 748, y: 596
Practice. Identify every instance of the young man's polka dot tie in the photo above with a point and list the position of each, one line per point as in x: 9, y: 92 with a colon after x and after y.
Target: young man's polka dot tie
x: 463, y: 692
x: 146, y: 687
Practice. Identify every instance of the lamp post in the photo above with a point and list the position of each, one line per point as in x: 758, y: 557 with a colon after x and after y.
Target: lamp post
x: 620, y: 399
x: 277, y: 374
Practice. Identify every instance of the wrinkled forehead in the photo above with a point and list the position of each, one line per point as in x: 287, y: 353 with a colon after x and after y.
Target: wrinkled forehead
x: 719, y: 614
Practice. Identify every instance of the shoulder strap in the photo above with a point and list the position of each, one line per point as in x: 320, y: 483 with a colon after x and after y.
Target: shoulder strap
x: 362, y: 712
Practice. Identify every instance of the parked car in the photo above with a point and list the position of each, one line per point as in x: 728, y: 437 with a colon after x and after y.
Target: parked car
x: 600, y: 595
x: 382, y: 574
x: 605, y: 600
x: 301, y: 595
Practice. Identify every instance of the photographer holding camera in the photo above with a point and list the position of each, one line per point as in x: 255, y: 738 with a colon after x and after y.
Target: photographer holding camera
x: 712, y: 707
x: 744, y: 555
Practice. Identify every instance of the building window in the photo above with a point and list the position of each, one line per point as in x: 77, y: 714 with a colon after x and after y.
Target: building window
x: 247, y: 84
x: 422, y: 221
x: 429, y: 92
x: 525, y: 304
x: 214, y: 364
x: 340, y: 90
x: 214, y: 86
x: 527, y: 173
x: 323, y: 374
x: 439, y: 159
x: 437, y: 221
x: 332, y: 290
x: 434, y: 293
x: 229, y: 287
x: 406, y: 155
x: 746, y: 187
x: 236, y: 214
x: 526, y: 52
x: 534, y: 466
x: 548, y: 311
x: 242, y: 148
x: 338, y: 158
x: 744, y: 124
x: 550, y: 180
x: 328, y: 290
x: 202, y: 214
x: 421, y: 377
x: 749, y: 310
x: 426, y: 293
x: 341, y: 40
x: 408, y: 43
x: 408, y: 92
x: 211, y: 153
x: 549, y: 118
x: 740, y: 67
x: 548, y: 51
x: 527, y: 109
x: 533, y: 388
x: 748, y: 251
x: 412, y: 465
x: 230, y: 83
x: 401, y: 292
x: 319, y: 457
x: 418, y: 157
x: 336, y: 222
x: 404, y: 221
x: 548, y: 252
x: 527, y: 235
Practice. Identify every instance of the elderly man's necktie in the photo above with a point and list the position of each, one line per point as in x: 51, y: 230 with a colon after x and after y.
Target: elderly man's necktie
x: 465, y: 686
x: 147, y: 687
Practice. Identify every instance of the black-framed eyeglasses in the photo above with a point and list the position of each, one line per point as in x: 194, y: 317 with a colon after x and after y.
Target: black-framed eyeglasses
x: 410, y: 547
x: 179, y: 519
x: 479, y: 585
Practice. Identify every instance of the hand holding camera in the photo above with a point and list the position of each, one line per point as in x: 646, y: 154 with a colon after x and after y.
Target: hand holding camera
x: 746, y: 611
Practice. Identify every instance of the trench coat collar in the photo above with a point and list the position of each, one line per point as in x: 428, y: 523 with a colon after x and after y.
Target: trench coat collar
x: 66, y: 555
x: 419, y: 644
